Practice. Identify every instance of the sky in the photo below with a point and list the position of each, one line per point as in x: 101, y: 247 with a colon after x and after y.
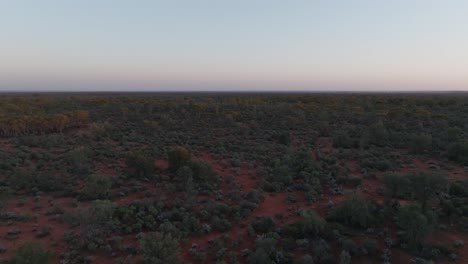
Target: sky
x: 65, y: 45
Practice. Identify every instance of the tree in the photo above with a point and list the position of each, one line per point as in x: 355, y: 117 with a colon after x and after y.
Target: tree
x: 141, y: 165
x: 395, y: 183
x: 414, y: 223
x: 79, y: 161
x: 159, y: 248
x: 459, y: 152
x: 96, y: 187
x: 378, y: 134
x: 341, y: 139
x: 281, y: 173
x: 265, y: 249
x: 185, y: 175
x: 345, y: 257
x: 454, y: 134
x: 177, y: 157
x: 306, y: 259
x: 355, y: 211
x: 426, y: 185
x: 312, y: 223
x: 263, y: 224
x: 95, y: 219
x: 420, y: 143
x: 30, y: 253
x: 203, y: 172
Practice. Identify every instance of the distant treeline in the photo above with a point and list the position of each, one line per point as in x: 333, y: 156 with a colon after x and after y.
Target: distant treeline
x: 41, y: 124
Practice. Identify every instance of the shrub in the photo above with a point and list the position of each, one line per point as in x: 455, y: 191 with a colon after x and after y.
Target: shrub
x: 369, y: 246
x: 356, y: 212
x: 420, y: 143
x: 395, y: 184
x: 312, y: 223
x: 203, y: 172
x: 378, y: 134
x: 141, y: 165
x: 159, y: 248
x: 425, y: 185
x: 459, y: 152
x: 96, y: 187
x: 31, y: 253
x: 341, y: 139
x: 177, y: 157
x: 457, y: 188
x: 306, y: 259
x: 345, y: 257
x: 263, y: 224
x: 414, y: 224
x: 79, y: 162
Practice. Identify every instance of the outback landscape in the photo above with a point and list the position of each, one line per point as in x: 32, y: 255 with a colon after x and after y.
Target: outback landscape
x: 234, y: 178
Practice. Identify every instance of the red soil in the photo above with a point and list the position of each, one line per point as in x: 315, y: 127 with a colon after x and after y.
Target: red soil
x: 244, y: 178
x: 105, y: 169
x: 325, y: 145
x: 37, y: 209
x: 161, y: 164
x: 6, y: 146
x: 449, y: 237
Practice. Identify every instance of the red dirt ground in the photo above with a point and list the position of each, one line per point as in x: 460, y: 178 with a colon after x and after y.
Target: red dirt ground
x: 38, y: 209
x: 245, y: 179
x: 6, y: 146
x: 449, y: 237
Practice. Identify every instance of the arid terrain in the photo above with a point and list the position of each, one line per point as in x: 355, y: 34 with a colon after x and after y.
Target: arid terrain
x: 234, y: 178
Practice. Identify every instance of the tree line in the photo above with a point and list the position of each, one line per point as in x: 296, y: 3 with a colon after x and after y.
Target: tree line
x: 42, y: 124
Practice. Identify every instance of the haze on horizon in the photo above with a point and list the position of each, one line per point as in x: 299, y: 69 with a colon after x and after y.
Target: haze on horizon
x: 65, y: 45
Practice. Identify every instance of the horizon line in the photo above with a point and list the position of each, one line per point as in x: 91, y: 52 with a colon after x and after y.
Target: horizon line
x: 259, y: 91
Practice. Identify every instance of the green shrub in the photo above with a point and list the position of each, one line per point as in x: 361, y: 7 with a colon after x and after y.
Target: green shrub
x: 177, y: 157
x: 79, y: 162
x: 159, y: 248
x: 30, y: 253
x: 459, y: 152
x: 311, y: 223
x: 414, y: 223
x: 369, y: 246
x: 396, y: 185
x: 355, y: 211
x: 425, y: 185
x: 96, y: 187
x: 263, y: 224
x: 140, y: 164
x: 420, y: 143
x: 203, y: 172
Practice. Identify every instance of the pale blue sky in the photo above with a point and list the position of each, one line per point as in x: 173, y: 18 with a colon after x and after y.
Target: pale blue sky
x: 216, y: 44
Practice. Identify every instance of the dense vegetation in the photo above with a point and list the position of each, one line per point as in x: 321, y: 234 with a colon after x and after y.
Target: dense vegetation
x: 232, y: 178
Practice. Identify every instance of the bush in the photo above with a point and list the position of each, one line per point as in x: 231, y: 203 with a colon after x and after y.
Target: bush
x: 203, y: 172
x: 459, y: 152
x: 159, y: 248
x: 369, y: 247
x: 141, y: 165
x: 414, y: 223
x: 345, y: 257
x: 96, y: 187
x: 341, y: 139
x: 177, y: 157
x: 395, y: 184
x: 355, y: 211
x: 312, y: 223
x: 425, y: 185
x: 79, y: 162
x: 378, y: 134
x: 30, y: 253
x: 263, y: 224
x: 420, y: 143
